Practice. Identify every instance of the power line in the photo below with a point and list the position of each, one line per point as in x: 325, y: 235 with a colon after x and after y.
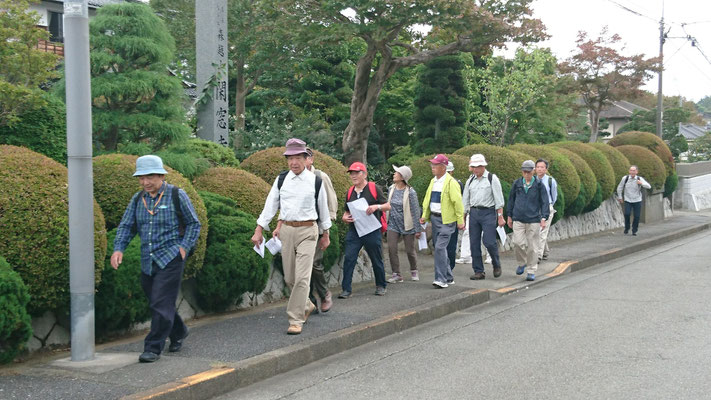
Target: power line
x: 637, y: 13
x: 666, y: 59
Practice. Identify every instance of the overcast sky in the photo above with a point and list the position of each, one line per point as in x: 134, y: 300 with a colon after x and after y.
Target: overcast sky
x: 686, y: 71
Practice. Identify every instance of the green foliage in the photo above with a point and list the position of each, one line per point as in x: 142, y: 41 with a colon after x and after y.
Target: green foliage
x: 402, y: 156
x: 504, y: 162
x: 183, y: 162
x: 34, y: 233
x: 651, y: 142
x: 120, y: 301
x: 559, y: 167
x: 134, y: 97
x: 232, y: 267
x: 245, y: 189
x: 646, y: 121
x: 588, y: 182
x: 24, y: 66
x: 333, y: 252
x: 114, y: 186
x: 559, y: 206
x: 670, y: 184
x: 596, y: 200
x: 15, y: 322
x: 393, y: 118
x: 700, y: 149
x: 649, y: 165
x: 441, y: 113
x: 216, y: 154
x: 620, y: 164
x: 597, y: 161
x: 704, y: 105
x: 42, y: 129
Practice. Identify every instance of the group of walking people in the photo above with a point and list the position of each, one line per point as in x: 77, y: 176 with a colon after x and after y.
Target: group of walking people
x: 165, y: 219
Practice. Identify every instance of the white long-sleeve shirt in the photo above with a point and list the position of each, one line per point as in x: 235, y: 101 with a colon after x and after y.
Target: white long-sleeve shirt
x: 632, y: 191
x: 295, y: 201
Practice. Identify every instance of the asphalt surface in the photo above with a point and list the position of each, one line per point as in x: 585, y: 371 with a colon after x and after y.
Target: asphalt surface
x: 634, y: 328
x: 235, y: 350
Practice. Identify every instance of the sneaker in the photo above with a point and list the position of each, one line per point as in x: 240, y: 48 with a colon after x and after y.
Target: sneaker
x: 530, y: 277
x: 326, y: 302
x: 450, y: 282
x: 414, y: 276
x: 344, y: 294
x: 463, y: 260
x: 488, y: 259
x: 395, y: 278
x: 439, y: 284
x: 544, y: 257
x: 520, y: 269
x: 380, y: 291
x: 634, y: 233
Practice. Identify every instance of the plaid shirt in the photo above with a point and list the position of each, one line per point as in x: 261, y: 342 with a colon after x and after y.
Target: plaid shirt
x: 160, y: 239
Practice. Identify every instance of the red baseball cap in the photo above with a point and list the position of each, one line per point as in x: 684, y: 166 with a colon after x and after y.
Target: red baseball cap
x: 357, y: 166
x: 440, y: 159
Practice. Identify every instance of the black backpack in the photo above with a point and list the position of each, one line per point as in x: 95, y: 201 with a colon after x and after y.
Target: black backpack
x: 490, y: 177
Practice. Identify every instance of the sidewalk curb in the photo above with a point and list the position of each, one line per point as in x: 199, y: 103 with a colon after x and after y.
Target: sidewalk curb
x: 233, y: 376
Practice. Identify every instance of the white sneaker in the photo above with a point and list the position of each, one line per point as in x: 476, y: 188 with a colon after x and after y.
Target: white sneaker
x: 439, y: 284
x: 488, y: 259
x: 414, y: 276
x: 463, y: 260
x: 395, y: 278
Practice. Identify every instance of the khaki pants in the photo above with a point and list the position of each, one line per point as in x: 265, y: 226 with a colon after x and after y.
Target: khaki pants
x: 526, y: 240
x: 543, y: 248
x: 393, y: 238
x: 298, y: 244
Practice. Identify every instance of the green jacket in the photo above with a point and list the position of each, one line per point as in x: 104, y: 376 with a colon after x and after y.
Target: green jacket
x: 452, y: 208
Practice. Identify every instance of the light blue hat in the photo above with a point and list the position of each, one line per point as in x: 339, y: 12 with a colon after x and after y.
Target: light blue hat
x: 147, y: 165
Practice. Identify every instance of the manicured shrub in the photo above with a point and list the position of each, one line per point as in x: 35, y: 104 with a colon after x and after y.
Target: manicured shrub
x: 232, y: 267
x: 217, y: 154
x: 618, y: 161
x: 651, y: 142
x: 670, y: 184
x: 422, y: 173
x: 34, y: 231
x: 119, y: 299
x: 333, y: 252
x: 560, y: 167
x: 598, y: 163
x: 650, y: 166
x: 247, y: 190
x: 114, y: 186
x: 503, y: 162
x: 588, y: 183
x: 185, y: 163
x: 43, y: 130
x: 15, y: 322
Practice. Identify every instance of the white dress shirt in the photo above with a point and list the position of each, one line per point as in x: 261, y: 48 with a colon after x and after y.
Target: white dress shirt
x: 295, y: 201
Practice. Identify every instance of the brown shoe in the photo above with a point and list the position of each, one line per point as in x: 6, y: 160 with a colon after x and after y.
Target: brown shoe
x: 293, y: 330
x: 478, y: 276
x: 311, y: 309
x: 327, y: 302
x: 497, y: 272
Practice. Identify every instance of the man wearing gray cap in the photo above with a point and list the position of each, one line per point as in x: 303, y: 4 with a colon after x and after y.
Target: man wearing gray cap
x: 167, y: 224
x: 299, y: 197
x: 528, y: 210
x: 484, y: 202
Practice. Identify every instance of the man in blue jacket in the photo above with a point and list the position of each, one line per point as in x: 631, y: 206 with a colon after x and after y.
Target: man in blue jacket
x: 527, y: 214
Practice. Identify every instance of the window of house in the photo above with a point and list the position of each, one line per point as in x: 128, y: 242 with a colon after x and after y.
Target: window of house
x: 56, y: 27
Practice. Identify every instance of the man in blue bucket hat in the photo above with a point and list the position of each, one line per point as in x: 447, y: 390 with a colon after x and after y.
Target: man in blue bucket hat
x: 167, y: 224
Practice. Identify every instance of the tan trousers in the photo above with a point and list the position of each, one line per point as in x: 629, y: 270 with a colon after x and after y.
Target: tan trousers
x: 543, y: 248
x: 298, y: 245
x: 526, y: 240
x: 393, y: 238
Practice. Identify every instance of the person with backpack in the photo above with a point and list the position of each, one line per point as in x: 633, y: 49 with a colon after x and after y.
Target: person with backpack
x: 372, y: 241
x: 168, y: 226
x: 629, y: 193
x: 443, y: 208
x: 551, y: 186
x: 484, y: 203
x: 299, y: 197
x: 403, y: 222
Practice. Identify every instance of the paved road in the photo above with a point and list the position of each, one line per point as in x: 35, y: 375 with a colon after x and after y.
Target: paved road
x: 637, y: 328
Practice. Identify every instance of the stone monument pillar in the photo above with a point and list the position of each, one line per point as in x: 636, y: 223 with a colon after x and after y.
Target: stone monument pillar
x: 211, y: 55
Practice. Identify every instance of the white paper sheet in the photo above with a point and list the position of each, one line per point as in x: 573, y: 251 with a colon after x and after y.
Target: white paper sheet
x: 422, y: 241
x: 260, y: 249
x: 502, y: 234
x: 274, y: 245
x: 363, y: 222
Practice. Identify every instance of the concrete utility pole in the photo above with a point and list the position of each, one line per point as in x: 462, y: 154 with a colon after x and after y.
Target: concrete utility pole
x: 81, y: 183
x: 211, y: 51
x: 660, y: 95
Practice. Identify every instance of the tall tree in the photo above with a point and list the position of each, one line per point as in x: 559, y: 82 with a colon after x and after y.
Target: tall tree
x: 24, y: 67
x: 134, y: 97
x: 603, y: 75
x: 458, y: 25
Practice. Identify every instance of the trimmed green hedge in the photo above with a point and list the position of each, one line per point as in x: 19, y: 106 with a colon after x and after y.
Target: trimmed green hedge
x: 114, y: 186
x: 232, y: 267
x: 34, y: 226
x: 650, y: 166
x: 247, y: 190
x: 649, y: 141
x: 597, y: 161
x: 15, y: 322
x: 504, y: 162
x: 620, y: 164
x: 217, y: 154
x: 120, y: 301
x: 588, y: 183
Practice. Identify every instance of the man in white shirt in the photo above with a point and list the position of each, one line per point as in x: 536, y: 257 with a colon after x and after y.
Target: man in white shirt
x: 629, y: 192
x: 301, y: 215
